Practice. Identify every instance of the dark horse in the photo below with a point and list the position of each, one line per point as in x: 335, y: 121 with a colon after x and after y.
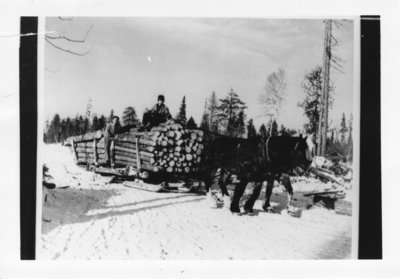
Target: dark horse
x: 255, y: 160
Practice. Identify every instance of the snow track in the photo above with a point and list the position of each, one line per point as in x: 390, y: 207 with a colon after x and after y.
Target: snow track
x: 96, y: 220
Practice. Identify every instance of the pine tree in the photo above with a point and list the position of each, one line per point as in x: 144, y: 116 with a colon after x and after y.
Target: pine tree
x: 86, y: 125
x: 204, y: 125
x: 76, y: 125
x: 282, y: 131
x: 343, y: 130
x: 251, y: 130
x: 263, y: 131
x: 111, y: 116
x: 240, y: 125
x: 55, y: 130
x: 181, y: 116
x: 228, y: 112
x: 272, y: 128
x: 312, y: 86
x: 95, y: 123
x: 102, y: 122
x: 129, y: 116
x: 213, y: 112
x: 332, y: 140
x: 191, y: 124
x: 350, y: 139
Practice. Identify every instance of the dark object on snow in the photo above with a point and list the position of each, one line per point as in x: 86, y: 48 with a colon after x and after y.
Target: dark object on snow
x: 49, y: 185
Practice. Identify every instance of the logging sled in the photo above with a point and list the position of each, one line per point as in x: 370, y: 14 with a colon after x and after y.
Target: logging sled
x: 161, y: 159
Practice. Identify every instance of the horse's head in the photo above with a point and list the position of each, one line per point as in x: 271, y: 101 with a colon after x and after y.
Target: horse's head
x: 304, y: 152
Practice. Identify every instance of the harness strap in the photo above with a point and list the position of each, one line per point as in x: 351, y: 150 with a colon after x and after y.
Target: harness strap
x: 266, y: 151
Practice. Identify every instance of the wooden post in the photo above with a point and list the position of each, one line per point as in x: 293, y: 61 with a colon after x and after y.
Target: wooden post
x: 75, y: 152
x: 138, y: 165
x: 112, y: 155
x: 95, y: 151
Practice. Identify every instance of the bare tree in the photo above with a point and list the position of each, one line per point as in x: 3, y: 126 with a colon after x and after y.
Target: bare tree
x: 330, y: 60
x: 274, y: 95
x: 63, y: 42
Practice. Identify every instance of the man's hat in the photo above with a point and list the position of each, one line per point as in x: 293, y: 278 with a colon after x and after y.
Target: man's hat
x: 161, y: 97
x: 115, y: 117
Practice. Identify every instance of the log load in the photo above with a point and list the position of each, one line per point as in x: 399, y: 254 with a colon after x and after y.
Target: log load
x: 168, y: 147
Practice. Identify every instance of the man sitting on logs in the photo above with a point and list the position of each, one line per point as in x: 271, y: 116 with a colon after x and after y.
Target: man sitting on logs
x: 110, y: 131
x: 157, y: 115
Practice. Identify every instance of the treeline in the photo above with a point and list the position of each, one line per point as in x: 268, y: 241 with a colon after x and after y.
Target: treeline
x: 340, y: 141
x: 227, y: 116
x: 59, y: 129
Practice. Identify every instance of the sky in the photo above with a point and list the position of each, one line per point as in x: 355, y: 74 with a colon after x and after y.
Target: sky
x: 132, y: 60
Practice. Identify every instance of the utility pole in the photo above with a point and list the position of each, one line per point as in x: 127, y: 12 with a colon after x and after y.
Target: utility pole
x: 88, y: 111
x: 323, y: 118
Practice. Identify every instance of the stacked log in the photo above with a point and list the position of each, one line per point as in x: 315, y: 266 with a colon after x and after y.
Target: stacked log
x: 168, y: 148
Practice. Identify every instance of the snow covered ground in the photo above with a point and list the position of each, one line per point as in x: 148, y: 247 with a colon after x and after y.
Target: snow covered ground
x: 86, y: 217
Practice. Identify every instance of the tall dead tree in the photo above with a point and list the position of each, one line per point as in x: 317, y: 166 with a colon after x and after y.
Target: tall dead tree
x: 329, y: 61
x: 323, y: 119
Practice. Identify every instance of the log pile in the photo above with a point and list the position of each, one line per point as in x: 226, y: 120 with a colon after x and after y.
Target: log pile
x: 167, y: 147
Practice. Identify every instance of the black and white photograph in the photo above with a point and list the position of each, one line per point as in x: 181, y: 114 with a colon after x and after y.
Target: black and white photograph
x: 197, y: 138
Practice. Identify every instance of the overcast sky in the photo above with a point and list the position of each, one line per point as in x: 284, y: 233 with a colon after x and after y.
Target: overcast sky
x: 132, y: 60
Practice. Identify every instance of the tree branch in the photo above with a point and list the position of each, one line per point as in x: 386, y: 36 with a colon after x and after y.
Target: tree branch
x: 66, y: 18
x: 69, y: 39
x: 66, y: 50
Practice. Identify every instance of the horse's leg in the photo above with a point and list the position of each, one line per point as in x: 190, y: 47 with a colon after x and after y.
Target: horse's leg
x: 285, y: 179
x: 219, y: 181
x: 268, y: 192
x: 237, y: 194
x: 223, y: 186
x: 248, y: 206
x: 207, y: 178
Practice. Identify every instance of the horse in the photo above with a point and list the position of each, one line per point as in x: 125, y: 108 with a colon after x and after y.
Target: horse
x: 255, y: 160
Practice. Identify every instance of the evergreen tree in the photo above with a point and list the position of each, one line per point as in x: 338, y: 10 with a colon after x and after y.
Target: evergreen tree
x: 191, y: 124
x: 272, y: 128
x: 95, y: 123
x: 55, y: 130
x: 204, y: 122
x: 251, y: 130
x: 111, y: 116
x: 263, y: 131
x: 228, y: 112
x: 240, y: 125
x: 312, y: 86
x: 181, y: 116
x: 350, y: 139
x: 81, y: 125
x: 213, y: 112
x: 129, y: 116
x: 343, y: 130
x: 102, y: 122
x: 86, y: 125
x: 282, y: 131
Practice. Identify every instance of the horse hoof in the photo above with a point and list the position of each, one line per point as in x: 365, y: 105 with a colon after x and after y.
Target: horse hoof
x: 235, y: 210
x: 269, y: 209
x: 248, y: 210
x: 218, y: 198
x: 291, y: 211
